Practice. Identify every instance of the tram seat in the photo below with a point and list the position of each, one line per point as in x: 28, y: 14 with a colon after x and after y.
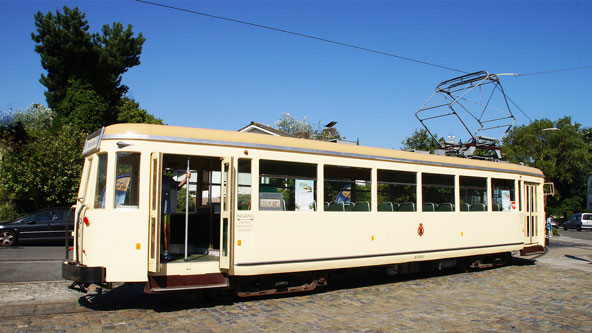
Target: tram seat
x: 407, y: 207
x: 337, y: 207
x: 429, y: 207
x: 478, y: 207
x: 350, y: 207
x: 396, y: 206
x: 445, y: 207
x: 362, y: 206
x: 385, y: 207
x: 464, y: 207
x: 496, y: 207
x: 326, y: 206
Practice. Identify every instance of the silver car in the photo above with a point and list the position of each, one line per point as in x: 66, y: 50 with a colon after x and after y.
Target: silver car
x: 579, y: 221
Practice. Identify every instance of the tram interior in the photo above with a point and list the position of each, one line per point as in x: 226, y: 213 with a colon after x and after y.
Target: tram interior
x: 202, y: 207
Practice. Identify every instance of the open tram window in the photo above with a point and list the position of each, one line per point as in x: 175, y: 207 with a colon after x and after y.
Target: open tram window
x: 244, y: 184
x: 503, y: 195
x: 127, y: 180
x: 437, y: 192
x: 397, y: 191
x: 101, y: 181
x: 473, y: 194
x: 347, y: 188
x: 287, y: 186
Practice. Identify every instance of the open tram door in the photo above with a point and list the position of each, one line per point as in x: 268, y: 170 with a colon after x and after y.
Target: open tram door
x: 226, y: 213
x: 154, y: 225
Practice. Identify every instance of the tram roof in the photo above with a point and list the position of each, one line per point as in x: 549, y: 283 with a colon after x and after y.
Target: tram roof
x: 167, y: 133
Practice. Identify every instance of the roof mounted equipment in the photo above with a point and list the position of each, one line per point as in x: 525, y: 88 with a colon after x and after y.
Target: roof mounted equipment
x: 476, y: 100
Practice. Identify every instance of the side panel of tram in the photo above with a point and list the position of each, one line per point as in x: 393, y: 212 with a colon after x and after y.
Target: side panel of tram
x: 268, y: 242
x: 123, y: 236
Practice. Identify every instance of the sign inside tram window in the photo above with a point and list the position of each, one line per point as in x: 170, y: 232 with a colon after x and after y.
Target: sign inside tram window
x: 121, y: 186
x: 92, y: 142
x: 305, y: 195
x: 271, y: 201
x: 506, y: 201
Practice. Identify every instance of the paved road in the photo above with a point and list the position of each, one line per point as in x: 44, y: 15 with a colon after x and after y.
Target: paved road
x: 584, y: 234
x: 547, y: 293
x: 31, y: 263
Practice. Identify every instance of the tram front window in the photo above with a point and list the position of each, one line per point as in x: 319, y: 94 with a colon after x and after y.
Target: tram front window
x: 101, y: 181
x: 127, y: 180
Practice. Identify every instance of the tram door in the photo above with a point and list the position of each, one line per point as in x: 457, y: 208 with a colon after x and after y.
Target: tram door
x: 530, y: 216
x: 154, y: 224
x: 226, y: 212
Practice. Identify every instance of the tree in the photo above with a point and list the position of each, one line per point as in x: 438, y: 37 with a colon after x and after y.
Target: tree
x: 420, y: 140
x: 294, y: 126
x: 40, y: 168
x: 131, y: 112
x: 559, y: 149
x: 83, y: 67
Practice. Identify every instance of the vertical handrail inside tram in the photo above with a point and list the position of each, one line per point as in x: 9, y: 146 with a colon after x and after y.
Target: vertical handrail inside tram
x: 186, y: 208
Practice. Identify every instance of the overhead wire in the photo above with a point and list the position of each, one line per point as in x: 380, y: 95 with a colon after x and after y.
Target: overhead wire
x: 194, y: 12
x: 300, y: 35
x: 554, y: 71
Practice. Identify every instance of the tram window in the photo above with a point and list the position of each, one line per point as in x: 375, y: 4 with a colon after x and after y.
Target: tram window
x: 503, y: 195
x: 473, y: 194
x: 396, y: 188
x: 210, y: 189
x: 437, y: 192
x: 347, y: 188
x: 101, y: 181
x: 127, y: 180
x: 244, y: 184
x: 287, y: 186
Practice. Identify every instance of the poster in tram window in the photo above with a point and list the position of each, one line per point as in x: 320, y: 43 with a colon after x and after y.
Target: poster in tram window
x: 305, y: 195
x: 506, y: 201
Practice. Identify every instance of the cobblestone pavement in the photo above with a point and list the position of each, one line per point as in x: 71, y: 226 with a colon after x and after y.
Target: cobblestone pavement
x: 550, y: 293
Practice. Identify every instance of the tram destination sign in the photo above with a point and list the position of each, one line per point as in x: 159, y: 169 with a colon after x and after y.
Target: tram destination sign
x: 93, y: 142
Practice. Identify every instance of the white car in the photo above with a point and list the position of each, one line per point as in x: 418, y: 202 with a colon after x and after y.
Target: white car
x: 579, y: 221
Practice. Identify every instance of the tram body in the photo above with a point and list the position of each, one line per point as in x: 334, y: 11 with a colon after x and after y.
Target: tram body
x: 263, y: 206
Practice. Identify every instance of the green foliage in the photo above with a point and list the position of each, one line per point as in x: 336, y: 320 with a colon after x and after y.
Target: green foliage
x: 564, y: 155
x: 130, y: 112
x: 44, y: 169
x: 420, y: 140
x: 82, y: 107
x: 301, y: 128
x: 84, y: 70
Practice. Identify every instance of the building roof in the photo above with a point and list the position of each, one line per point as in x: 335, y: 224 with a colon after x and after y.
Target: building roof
x: 255, y: 127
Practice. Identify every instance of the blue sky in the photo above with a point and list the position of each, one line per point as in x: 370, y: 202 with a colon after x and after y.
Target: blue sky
x: 201, y: 72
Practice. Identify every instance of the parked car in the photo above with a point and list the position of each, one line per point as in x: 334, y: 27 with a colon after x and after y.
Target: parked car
x: 578, y: 221
x: 45, y: 224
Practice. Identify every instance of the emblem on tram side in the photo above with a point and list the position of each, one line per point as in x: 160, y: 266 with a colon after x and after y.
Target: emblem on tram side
x: 420, y: 230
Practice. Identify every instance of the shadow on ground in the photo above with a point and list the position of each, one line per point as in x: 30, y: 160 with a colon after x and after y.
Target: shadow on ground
x: 132, y: 296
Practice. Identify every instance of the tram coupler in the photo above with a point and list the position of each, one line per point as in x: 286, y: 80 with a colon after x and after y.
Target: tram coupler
x: 79, y: 286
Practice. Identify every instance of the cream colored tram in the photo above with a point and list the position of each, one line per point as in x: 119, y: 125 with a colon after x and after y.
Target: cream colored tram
x: 264, y: 214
